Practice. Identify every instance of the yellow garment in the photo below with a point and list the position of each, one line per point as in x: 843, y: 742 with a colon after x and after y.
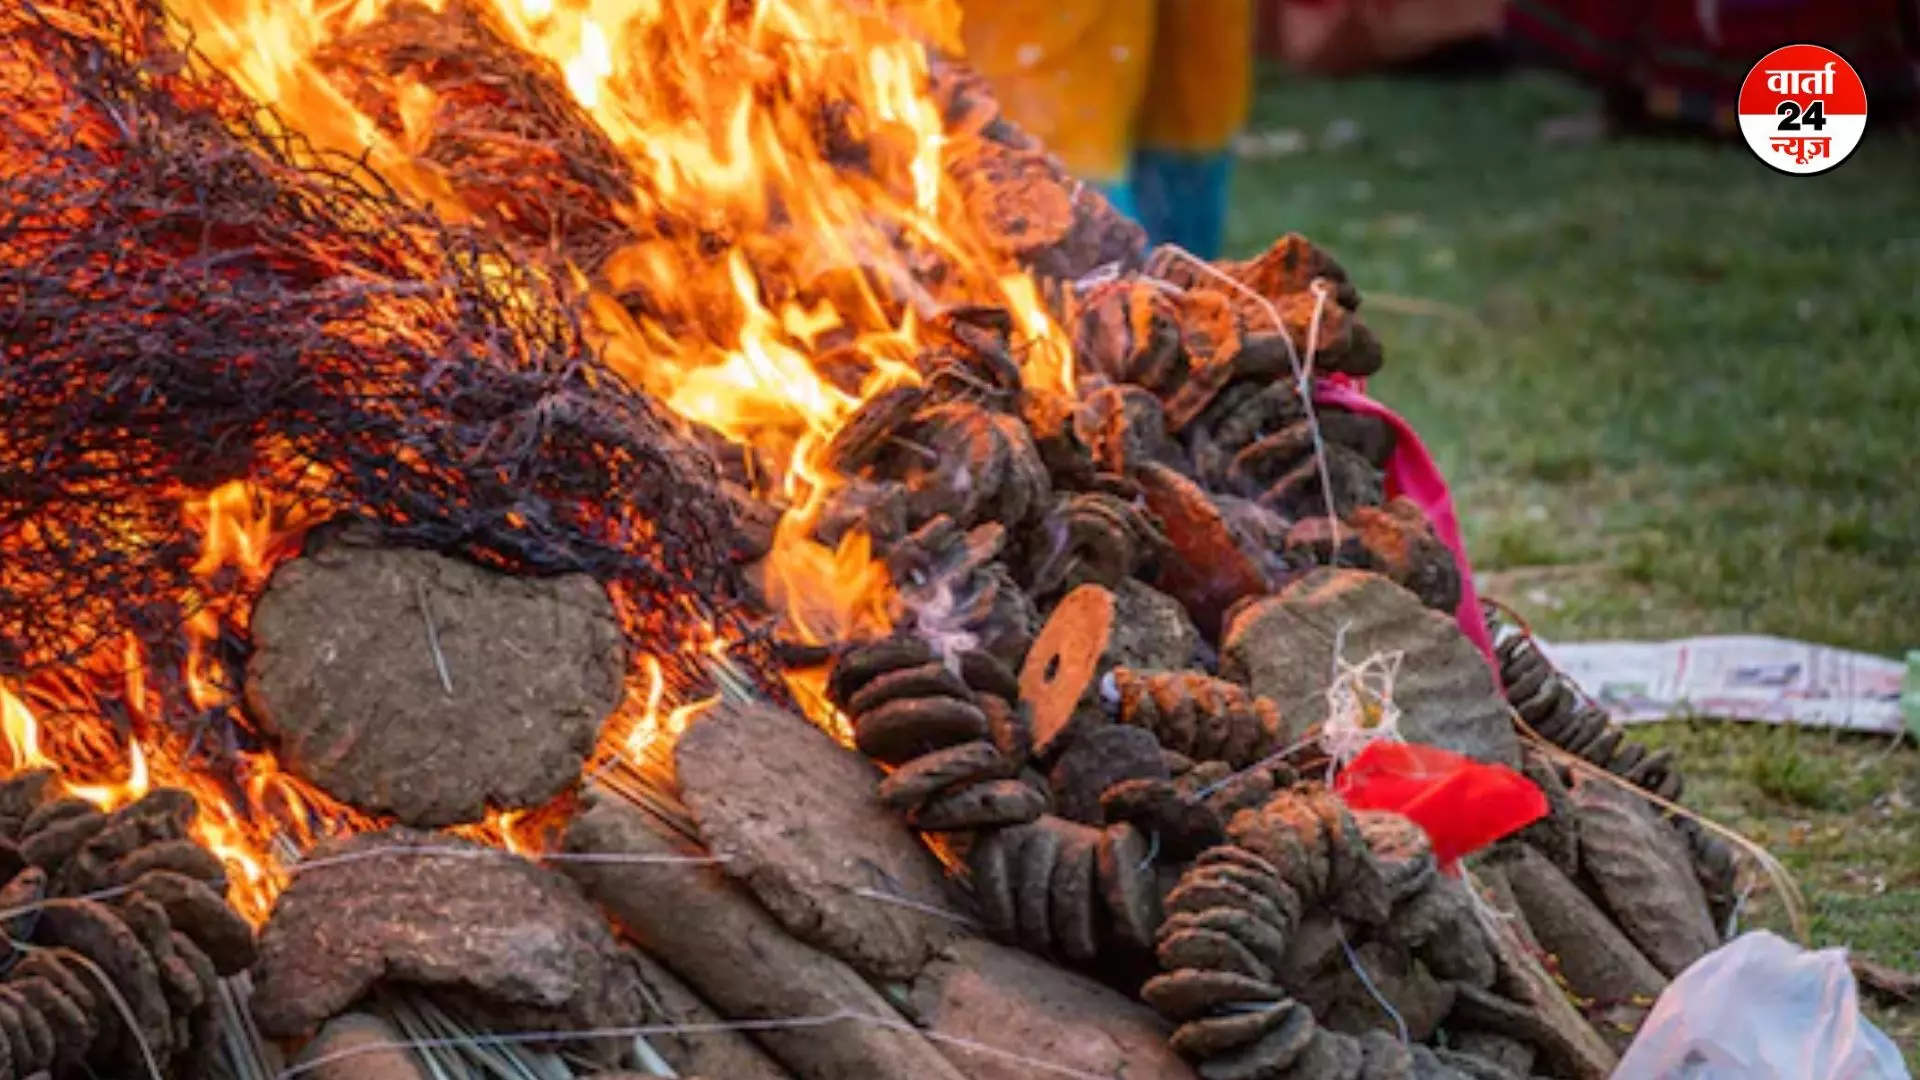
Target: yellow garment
x: 1071, y: 72
x: 1202, y: 85
x: 1092, y: 79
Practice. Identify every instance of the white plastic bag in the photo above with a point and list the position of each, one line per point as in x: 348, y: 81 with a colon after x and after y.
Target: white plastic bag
x: 1760, y: 1008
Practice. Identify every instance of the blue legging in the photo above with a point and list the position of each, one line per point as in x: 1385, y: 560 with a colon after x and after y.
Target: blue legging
x: 1179, y: 198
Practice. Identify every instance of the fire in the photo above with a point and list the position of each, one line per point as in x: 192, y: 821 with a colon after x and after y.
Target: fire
x: 23, y: 733
x: 775, y: 197
x: 67, y: 721
x: 785, y: 173
x: 522, y: 832
x: 826, y: 594
x: 235, y: 530
x: 112, y: 795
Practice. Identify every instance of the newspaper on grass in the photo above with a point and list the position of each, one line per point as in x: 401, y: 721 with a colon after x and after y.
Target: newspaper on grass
x: 1738, y: 677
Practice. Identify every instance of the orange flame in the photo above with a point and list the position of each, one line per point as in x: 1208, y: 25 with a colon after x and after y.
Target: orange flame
x: 753, y: 251
x: 718, y: 110
x: 243, y: 810
x: 23, y: 734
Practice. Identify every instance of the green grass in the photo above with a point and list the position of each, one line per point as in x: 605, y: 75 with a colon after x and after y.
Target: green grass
x: 1676, y: 393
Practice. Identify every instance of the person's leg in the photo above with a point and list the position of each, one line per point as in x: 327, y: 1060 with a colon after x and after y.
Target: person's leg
x: 1197, y: 101
x: 1182, y: 196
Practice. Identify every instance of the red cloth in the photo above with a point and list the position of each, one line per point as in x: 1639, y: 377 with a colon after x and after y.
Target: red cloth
x: 1411, y: 472
x: 1703, y: 50
x: 1462, y: 804
x: 1337, y: 37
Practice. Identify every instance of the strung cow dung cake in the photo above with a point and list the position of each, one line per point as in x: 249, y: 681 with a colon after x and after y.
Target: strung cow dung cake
x: 795, y: 816
x: 413, y: 684
x: 1282, y: 647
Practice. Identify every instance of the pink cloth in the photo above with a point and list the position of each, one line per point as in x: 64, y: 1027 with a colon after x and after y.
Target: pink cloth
x: 1411, y: 472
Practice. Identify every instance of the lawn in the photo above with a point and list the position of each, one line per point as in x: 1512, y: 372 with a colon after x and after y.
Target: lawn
x: 1676, y: 393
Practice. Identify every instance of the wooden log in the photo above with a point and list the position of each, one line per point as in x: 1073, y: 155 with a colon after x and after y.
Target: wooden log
x: 730, y: 950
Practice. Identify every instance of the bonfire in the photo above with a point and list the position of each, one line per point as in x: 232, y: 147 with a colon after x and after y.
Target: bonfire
x: 544, y: 538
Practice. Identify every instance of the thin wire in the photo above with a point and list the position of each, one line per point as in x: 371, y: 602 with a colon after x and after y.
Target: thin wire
x: 1275, y: 758
x: 587, y: 858
x: 1302, y: 379
x: 120, y: 1004
x: 309, y: 865
x: 98, y: 894
x: 916, y: 905
x: 1353, y: 961
x: 1153, y: 851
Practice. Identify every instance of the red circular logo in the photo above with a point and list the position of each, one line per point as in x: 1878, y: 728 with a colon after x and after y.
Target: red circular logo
x: 1803, y: 109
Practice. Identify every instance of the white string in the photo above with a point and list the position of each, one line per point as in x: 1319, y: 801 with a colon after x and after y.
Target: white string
x: 916, y: 905
x: 309, y: 865
x: 596, y: 858
x: 120, y: 1004
x: 1153, y: 852
x: 1490, y: 916
x: 1302, y: 380
x: 98, y: 894
x: 1302, y: 369
x: 795, y: 1023
x: 1351, y: 689
x: 1275, y: 758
